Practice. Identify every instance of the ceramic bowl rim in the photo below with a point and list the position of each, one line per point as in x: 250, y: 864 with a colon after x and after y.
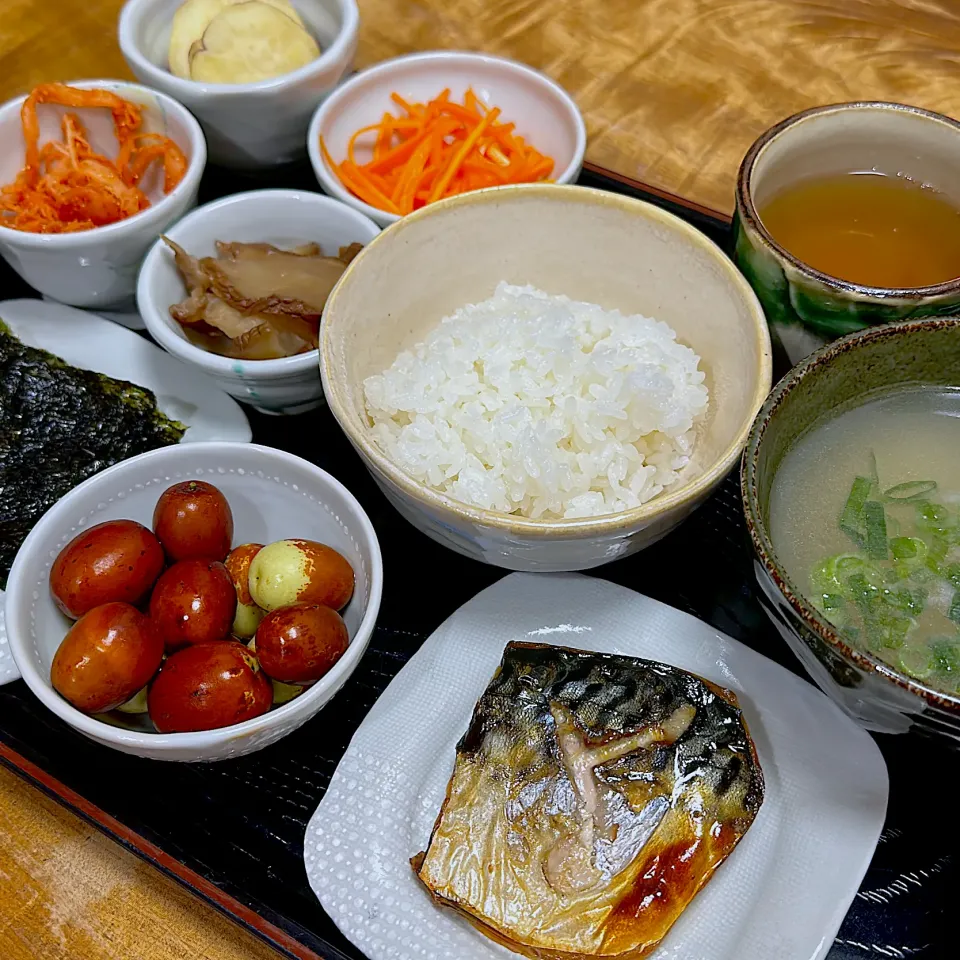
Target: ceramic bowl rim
x: 748, y: 213
x: 749, y: 493
x: 133, y: 10
x: 332, y: 184
x: 155, y: 317
x: 143, y: 218
x: 202, y: 740
x: 580, y: 528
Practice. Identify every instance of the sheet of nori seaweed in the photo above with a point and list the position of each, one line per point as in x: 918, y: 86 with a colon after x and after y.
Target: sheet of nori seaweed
x: 58, y: 426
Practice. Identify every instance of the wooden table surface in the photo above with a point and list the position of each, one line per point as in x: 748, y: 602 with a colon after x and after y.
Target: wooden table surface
x: 67, y: 892
x: 673, y: 92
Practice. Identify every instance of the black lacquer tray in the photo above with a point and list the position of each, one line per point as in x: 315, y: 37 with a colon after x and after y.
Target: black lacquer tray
x: 233, y: 831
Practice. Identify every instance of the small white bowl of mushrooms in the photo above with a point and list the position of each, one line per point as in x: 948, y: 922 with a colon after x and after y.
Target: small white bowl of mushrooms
x: 236, y: 288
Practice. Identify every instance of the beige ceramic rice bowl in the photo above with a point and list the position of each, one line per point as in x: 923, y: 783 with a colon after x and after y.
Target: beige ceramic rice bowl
x: 590, y: 245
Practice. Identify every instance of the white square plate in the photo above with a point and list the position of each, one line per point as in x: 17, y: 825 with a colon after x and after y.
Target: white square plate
x: 782, y: 893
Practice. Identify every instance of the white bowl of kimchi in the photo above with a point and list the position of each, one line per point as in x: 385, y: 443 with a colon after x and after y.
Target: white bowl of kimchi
x: 289, y: 220
x: 97, y: 267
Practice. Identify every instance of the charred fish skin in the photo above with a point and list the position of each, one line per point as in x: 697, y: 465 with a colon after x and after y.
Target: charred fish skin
x: 592, y: 796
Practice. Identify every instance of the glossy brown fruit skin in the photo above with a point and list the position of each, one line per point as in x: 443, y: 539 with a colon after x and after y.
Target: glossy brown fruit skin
x: 207, y: 686
x: 193, y: 520
x: 109, y: 654
x: 301, y: 642
x: 193, y: 602
x: 114, y: 561
x: 248, y: 615
x: 238, y: 566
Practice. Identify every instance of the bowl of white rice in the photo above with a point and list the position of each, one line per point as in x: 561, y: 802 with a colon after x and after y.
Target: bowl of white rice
x: 544, y: 377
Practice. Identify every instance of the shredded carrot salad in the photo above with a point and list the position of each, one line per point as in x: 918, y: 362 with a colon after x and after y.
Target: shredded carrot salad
x: 436, y: 150
x: 66, y: 186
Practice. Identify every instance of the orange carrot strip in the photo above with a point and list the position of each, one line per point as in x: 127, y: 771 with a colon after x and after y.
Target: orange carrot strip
x: 464, y: 149
x: 381, y: 183
x: 503, y: 134
x: 353, y: 187
x: 398, y: 155
x: 541, y: 168
x: 435, y: 106
x: 412, y: 110
x: 352, y: 142
x: 406, y: 188
x: 440, y: 145
x: 368, y: 191
x: 472, y: 102
x: 344, y: 174
x: 482, y: 167
x: 384, y: 136
x: 404, y: 126
x: 462, y: 113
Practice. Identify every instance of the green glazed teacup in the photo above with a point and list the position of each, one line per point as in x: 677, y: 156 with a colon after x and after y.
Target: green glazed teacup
x: 806, y: 308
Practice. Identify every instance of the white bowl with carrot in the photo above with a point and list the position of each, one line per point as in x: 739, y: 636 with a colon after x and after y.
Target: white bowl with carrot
x: 90, y: 174
x: 428, y: 126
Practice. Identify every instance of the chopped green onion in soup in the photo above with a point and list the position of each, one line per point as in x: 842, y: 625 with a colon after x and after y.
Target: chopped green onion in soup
x: 896, y: 591
x: 864, y: 516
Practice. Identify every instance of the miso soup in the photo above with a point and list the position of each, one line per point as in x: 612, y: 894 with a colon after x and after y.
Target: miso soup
x: 865, y: 518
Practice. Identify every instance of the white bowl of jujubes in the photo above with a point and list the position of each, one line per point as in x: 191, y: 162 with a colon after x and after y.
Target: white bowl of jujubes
x: 196, y: 602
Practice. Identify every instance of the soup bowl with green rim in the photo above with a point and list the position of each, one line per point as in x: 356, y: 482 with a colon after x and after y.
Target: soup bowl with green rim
x: 860, y: 365
x: 806, y: 308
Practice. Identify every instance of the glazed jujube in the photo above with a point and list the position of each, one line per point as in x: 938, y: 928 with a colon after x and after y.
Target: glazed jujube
x: 193, y: 520
x: 207, y: 686
x: 194, y: 601
x: 301, y: 642
x: 109, y: 654
x: 300, y: 571
x: 114, y: 561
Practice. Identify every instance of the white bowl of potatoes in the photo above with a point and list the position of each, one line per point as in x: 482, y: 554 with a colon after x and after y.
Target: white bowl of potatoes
x: 252, y: 71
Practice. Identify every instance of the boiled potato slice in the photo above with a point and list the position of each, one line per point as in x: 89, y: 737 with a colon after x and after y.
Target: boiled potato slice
x: 193, y: 18
x: 188, y: 24
x: 250, y: 41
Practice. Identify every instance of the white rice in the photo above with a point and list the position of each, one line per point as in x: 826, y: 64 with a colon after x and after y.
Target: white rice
x: 541, y: 406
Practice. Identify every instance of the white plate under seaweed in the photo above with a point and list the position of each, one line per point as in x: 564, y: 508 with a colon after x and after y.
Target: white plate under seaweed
x: 88, y: 341
x: 782, y: 893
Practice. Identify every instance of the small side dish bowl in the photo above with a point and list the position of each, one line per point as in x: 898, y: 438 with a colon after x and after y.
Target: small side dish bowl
x: 544, y: 113
x: 890, y: 356
x: 591, y: 245
x: 98, y: 268
x: 285, y: 218
x: 248, y: 125
x: 274, y: 495
x: 807, y: 308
